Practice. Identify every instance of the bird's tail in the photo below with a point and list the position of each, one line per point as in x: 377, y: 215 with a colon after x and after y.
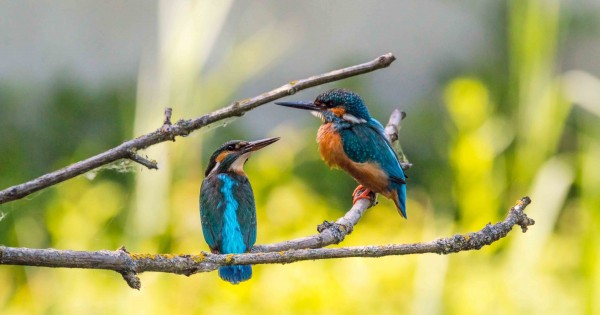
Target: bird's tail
x: 399, y: 197
x: 235, y: 274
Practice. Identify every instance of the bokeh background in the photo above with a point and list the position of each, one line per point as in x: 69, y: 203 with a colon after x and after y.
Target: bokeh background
x: 503, y: 100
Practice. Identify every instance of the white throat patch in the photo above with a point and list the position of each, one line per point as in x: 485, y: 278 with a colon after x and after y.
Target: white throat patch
x: 318, y: 115
x: 238, y: 165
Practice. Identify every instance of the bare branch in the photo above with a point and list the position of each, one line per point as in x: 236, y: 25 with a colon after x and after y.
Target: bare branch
x: 394, y: 124
x: 185, y: 127
x: 130, y: 264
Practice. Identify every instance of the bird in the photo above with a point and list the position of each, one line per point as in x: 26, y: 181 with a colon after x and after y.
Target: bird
x: 350, y: 139
x: 227, y: 207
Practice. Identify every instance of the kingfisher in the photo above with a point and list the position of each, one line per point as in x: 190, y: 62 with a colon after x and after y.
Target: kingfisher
x: 227, y: 208
x: 350, y: 139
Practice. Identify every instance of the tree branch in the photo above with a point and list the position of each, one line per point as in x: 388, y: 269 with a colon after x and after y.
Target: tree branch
x: 306, y: 248
x: 131, y: 264
x: 184, y: 127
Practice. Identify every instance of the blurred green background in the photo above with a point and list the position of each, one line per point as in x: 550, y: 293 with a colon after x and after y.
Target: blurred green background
x: 503, y: 100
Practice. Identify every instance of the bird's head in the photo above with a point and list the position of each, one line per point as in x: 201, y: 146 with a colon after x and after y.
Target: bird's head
x: 232, y: 155
x: 337, y: 103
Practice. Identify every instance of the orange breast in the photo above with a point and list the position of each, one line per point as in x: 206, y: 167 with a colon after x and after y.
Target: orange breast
x: 368, y: 174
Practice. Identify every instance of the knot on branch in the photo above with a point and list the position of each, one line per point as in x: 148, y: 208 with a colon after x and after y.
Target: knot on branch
x: 336, y: 230
x: 237, y: 109
x: 128, y: 273
x: 452, y: 244
x: 166, y: 128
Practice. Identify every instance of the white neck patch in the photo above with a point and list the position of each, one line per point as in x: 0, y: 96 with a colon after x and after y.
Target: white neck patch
x: 353, y: 119
x: 214, y: 169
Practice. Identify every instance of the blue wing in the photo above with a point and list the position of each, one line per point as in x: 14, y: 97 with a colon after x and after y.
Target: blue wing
x: 211, y: 211
x: 366, y: 143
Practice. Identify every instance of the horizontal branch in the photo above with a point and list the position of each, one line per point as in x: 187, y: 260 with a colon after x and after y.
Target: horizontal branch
x: 184, y: 127
x: 129, y: 264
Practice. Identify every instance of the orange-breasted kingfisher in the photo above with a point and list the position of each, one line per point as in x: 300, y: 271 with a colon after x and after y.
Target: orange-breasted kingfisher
x: 352, y: 140
x: 227, y: 208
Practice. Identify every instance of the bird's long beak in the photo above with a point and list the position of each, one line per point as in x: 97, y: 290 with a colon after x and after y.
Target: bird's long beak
x: 259, y: 144
x: 301, y: 105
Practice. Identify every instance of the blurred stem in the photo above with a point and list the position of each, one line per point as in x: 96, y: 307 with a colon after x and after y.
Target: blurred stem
x: 540, y: 107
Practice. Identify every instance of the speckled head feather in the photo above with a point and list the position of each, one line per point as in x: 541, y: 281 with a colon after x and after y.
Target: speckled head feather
x: 350, y: 101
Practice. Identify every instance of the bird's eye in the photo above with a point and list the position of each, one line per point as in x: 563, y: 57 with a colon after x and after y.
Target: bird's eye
x: 324, y: 104
x: 231, y: 147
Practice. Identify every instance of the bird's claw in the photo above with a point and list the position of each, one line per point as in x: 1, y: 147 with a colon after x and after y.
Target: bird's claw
x: 362, y: 193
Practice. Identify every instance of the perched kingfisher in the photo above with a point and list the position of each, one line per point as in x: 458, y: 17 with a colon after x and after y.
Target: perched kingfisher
x: 352, y: 140
x: 227, y: 209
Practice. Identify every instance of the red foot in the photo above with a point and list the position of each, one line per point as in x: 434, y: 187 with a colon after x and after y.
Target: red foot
x: 366, y: 194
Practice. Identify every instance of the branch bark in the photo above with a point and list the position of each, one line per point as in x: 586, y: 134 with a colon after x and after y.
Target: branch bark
x: 184, y: 127
x: 129, y: 265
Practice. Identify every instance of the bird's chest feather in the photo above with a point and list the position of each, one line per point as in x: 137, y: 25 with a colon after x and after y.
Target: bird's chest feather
x: 331, y: 147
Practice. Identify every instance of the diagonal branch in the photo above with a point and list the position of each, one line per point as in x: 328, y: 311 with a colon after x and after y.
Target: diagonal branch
x: 329, y: 233
x: 131, y: 264
x: 184, y: 127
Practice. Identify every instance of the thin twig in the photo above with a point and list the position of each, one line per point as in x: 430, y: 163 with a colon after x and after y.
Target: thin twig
x: 185, y: 127
x: 168, y: 113
x: 130, y: 264
x: 393, y: 125
x: 143, y: 161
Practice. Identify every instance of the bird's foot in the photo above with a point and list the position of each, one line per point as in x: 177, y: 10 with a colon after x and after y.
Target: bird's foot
x: 362, y: 193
